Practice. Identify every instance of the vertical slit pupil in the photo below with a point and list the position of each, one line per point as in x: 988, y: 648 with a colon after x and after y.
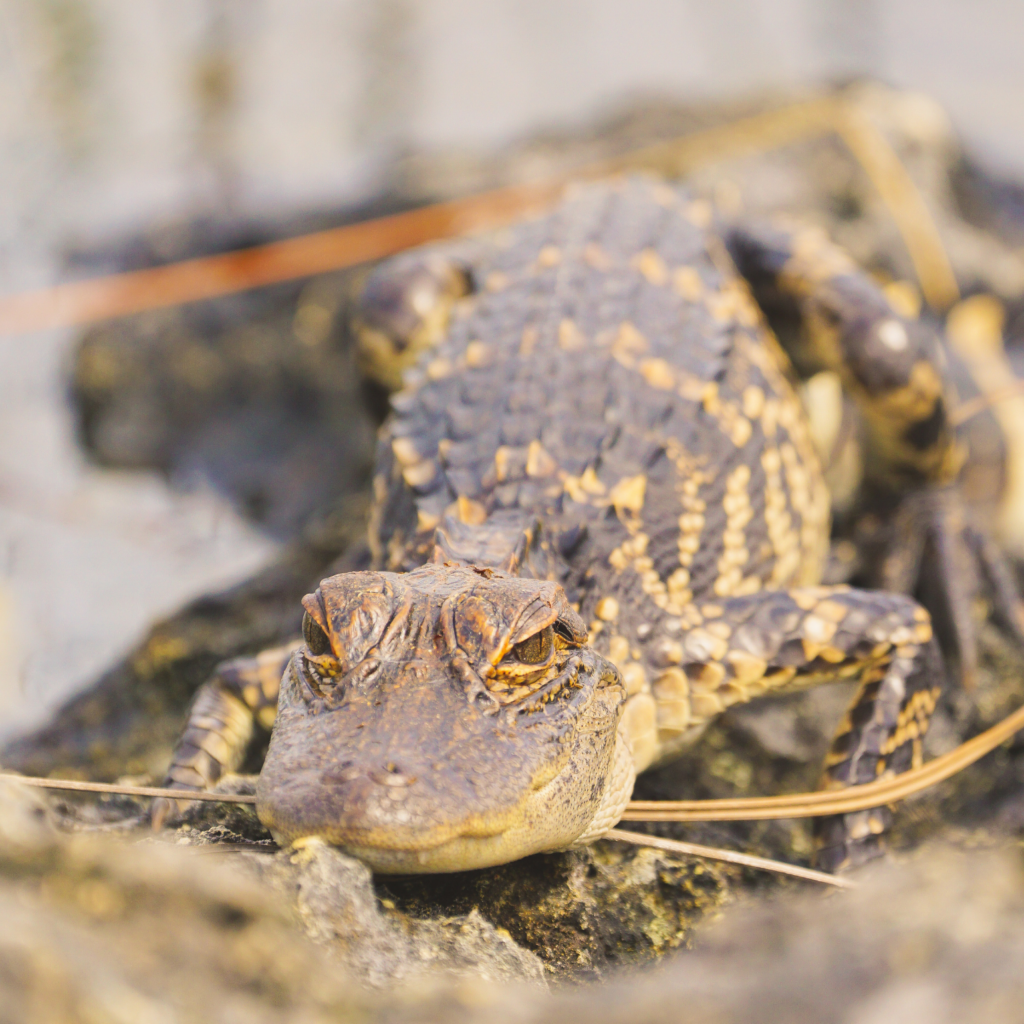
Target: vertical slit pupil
x: 316, y: 639
x: 535, y: 649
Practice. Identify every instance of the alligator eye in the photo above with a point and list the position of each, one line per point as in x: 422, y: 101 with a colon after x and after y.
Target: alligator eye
x: 536, y: 649
x: 316, y: 639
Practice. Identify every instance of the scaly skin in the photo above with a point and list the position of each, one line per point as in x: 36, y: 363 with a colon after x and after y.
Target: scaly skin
x: 599, y: 460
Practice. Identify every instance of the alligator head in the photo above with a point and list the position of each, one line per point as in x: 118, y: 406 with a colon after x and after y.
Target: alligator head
x: 448, y: 718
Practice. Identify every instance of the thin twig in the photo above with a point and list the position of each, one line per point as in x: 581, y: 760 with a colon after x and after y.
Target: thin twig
x: 207, y: 277
x: 709, y: 852
x: 792, y: 805
x: 843, y: 801
x: 730, y: 856
x: 900, y: 194
x: 125, y: 790
x: 82, y: 302
x: 969, y: 409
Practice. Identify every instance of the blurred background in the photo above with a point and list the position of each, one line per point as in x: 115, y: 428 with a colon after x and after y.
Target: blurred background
x: 135, y: 133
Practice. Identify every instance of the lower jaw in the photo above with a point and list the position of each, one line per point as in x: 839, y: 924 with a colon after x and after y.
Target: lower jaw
x: 462, y: 854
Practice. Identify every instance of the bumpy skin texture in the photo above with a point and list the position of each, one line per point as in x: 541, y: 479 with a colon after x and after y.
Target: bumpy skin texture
x: 608, y: 412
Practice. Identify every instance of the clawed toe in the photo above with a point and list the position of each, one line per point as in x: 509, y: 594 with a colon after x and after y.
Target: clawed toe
x: 1007, y: 606
x: 928, y: 549
x: 164, y: 811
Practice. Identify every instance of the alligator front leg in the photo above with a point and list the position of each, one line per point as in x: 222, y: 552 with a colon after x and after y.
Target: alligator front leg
x: 240, y: 697
x: 893, y: 368
x: 781, y: 641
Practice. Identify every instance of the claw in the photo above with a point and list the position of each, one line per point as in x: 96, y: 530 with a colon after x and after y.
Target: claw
x: 1007, y: 606
x: 159, y: 812
x: 928, y: 550
x: 165, y: 811
x: 901, y: 565
x: 957, y: 580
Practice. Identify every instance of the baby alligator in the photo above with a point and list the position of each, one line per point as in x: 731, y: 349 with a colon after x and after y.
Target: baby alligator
x: 600, y: 520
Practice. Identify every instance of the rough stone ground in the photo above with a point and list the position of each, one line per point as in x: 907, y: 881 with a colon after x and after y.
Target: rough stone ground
x: 100, y: 931
x: 566, y: 917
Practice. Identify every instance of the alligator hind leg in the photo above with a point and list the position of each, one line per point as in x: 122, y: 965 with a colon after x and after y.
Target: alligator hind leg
x: 780, y: 641
x: 893, y: 369
x: 239, y: 697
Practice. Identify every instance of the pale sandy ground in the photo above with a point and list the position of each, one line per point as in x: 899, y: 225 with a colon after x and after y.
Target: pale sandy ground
x: 88, y: 557
x: 113, y: 115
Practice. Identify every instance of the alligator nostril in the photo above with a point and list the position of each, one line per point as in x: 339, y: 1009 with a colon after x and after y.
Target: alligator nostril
x: 391, y: 775
x: 387, y: 774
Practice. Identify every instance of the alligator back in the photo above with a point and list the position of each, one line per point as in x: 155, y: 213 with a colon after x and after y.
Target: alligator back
x: 612, y: 376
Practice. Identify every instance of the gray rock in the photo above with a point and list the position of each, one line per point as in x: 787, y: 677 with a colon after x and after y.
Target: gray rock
x: 938, y: 939
x: 339, y: 910
x: 580, y: 914
x: 94, y: 930
x: 99, y: 931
